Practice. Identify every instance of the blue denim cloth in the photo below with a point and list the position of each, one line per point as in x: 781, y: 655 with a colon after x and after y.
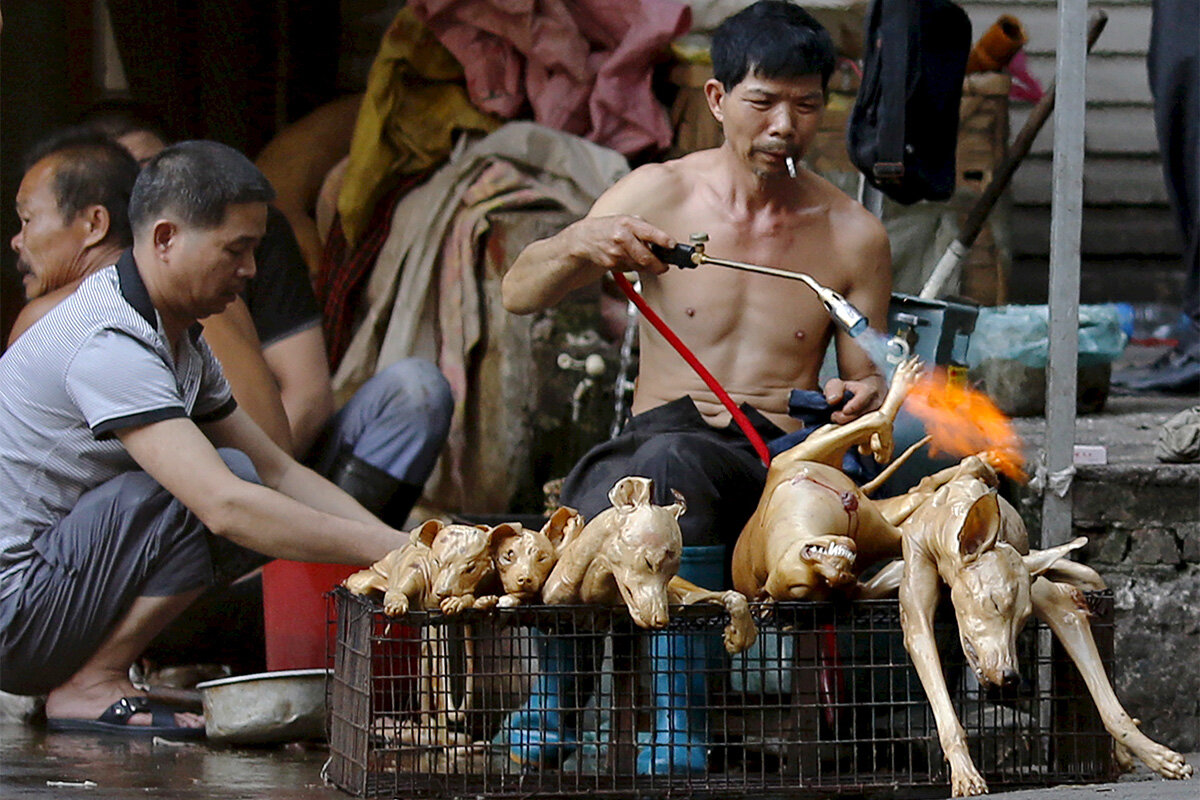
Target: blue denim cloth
x: 811, y: 408
x: 398, y: 421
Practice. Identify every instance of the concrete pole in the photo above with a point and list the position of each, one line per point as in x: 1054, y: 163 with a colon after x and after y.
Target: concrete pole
x: 1066, y: 218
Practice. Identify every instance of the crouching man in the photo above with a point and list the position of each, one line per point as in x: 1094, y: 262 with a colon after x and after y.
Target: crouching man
x: 116, y: 508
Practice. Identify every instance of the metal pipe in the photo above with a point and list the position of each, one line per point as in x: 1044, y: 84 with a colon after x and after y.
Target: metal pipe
x: 1066, y: 216
x: 841, y: 310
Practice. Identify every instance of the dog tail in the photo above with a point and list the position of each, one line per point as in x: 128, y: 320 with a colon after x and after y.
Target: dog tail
x: 879, y: 479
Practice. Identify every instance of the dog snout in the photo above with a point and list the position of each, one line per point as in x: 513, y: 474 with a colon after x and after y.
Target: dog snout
x: 1010, y: 679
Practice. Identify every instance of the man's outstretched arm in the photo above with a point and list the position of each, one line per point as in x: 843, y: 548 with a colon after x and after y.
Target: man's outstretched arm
x: 327, y: 526
x: 610, y: 237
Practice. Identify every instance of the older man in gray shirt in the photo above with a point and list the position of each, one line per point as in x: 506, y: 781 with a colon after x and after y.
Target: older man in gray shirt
x: 112, y: 410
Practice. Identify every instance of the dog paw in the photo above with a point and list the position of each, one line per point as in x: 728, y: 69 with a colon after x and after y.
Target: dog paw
x: 906, y: 376
x: 741, y: 631
x: 1167, y: 762
x: 965, y: 780
x: 488, y: 601
x: 971, y: 785
x: 455, y: 605
x: 509, y: 601
x: 395, y: 604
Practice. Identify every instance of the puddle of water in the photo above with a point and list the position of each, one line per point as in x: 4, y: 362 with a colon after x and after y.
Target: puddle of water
x: 30, y: 759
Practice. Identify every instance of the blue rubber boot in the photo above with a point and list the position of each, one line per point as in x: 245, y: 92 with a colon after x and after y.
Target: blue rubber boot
x: 680, y: 663
x: 542, y: 732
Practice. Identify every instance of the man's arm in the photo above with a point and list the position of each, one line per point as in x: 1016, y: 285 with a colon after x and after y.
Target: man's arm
x: 870, y: 292
x: 234, y: 342
x: 301, y: 369
x: 287, y: 320
x: 328, y: 526
x: 610, y: 237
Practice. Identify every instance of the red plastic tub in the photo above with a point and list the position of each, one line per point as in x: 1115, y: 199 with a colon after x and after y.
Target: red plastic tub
x: 294, y: 611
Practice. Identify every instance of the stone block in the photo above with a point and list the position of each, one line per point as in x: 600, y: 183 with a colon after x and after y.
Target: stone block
x: 1156, y: 635
x: 1153, y: 546
x: 1106, y: 548
x: 1189, y: 549
x: 1131, y: 495
x: 1100, y: 505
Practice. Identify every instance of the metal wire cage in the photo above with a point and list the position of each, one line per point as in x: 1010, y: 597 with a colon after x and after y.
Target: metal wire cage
x: 576, y: 700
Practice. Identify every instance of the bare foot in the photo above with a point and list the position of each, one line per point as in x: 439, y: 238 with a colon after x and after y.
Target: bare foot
x: 87, y: 696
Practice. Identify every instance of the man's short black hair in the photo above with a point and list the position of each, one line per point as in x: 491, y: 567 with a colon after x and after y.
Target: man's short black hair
x: 91, y: 170
x: 774, y: 39
x: 198, y: 181
x: 116, y: 117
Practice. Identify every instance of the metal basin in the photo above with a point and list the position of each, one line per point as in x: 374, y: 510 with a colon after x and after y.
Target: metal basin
x: 265, y: 708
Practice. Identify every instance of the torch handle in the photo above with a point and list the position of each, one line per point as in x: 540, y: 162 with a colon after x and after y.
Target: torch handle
x: 681, y: 255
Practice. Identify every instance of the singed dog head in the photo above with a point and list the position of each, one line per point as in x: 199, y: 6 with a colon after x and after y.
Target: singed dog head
x: 644, y: 550
x: 524, y: 557
x: 989, y: 579
x: 810, y: 563
x: 461, y: 555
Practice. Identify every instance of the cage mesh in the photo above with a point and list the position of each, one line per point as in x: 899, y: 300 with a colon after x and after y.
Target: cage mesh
x: 576, y: 700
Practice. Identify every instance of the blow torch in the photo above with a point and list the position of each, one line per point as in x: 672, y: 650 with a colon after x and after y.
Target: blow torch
x: 689, y: 256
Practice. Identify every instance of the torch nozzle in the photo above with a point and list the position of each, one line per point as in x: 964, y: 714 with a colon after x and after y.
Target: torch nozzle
x: 840, y: 309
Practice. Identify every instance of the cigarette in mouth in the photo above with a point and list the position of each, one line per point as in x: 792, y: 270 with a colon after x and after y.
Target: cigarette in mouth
x: 791, y: 165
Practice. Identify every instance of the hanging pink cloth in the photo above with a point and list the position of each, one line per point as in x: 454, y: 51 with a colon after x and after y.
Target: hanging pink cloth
x: 582, y: 66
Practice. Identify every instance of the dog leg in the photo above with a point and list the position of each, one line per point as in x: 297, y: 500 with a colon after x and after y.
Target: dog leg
x: 883, y: 583
x: 741, y: 631
x: 918, y: 602
x: 366, y: 581
x: 1060, y: 607
x: 899, y: 508
x: 403, y: 585
x: 829, y: 443
x: 1078, y: 575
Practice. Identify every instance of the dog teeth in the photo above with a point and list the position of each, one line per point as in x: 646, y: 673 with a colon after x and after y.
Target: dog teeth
x: 842, y: 550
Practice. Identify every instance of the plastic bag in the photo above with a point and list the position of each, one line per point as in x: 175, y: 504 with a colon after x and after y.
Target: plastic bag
x: 1021, y: 333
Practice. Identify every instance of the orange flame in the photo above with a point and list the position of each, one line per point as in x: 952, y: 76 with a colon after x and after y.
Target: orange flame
x: 964, y: 421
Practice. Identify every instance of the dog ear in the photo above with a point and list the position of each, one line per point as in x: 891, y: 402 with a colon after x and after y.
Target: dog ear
x: 630, y: 492
x: 503, y: 531
x: 1038, y: 561
x: 679, y: 507
x: 980, y: 527
x: 426, y: 533
x: 562, y: 526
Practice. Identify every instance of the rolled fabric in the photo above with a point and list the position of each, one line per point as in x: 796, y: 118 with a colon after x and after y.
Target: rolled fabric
x: 998, y: 45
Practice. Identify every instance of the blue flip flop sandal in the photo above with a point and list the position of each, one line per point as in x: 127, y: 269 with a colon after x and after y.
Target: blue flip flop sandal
x: 115, y: 719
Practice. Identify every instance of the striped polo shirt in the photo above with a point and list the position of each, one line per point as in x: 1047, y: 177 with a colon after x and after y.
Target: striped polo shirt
x: 96, y: 363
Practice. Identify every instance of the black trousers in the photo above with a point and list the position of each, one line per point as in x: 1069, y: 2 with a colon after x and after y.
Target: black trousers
x: 715, y: 469
x: 1175, y: 85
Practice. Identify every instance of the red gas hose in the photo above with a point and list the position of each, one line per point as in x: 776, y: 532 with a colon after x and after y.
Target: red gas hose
x: 760, y: 446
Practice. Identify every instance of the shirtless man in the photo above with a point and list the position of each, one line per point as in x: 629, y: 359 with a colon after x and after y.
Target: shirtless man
x: 762, y: 337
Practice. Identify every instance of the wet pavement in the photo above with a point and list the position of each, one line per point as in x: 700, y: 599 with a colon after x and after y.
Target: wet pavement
x: 50, y: 766
x: 36, y: 764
